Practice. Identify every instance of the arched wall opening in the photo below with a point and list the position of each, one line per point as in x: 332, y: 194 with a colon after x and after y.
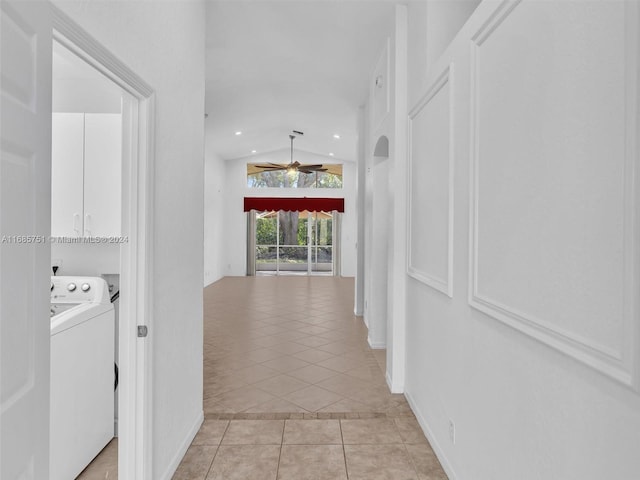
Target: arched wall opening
x: 381, y: 215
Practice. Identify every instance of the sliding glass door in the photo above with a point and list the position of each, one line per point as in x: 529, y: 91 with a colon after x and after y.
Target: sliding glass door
x: 294, y: 243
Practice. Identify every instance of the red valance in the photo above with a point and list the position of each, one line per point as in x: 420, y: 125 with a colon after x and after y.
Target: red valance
x: 298, y: 204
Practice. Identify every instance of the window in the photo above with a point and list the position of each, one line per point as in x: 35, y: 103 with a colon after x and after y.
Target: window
x: 259, y: 178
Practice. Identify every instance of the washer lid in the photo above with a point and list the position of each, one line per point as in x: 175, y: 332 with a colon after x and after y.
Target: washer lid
x: 79, y: 314
x: 58, y: 308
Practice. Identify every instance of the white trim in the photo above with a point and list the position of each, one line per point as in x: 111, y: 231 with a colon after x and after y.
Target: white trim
x: 184, y: 446
x: 431, y: 437
x: 392, y: 387
x: 621, y: 363
x: 396, y: 326
x: 376, y: 345
x: 442, y: 285
x: 632, y: 189
x: 135, y: 405
x: 80, y: 42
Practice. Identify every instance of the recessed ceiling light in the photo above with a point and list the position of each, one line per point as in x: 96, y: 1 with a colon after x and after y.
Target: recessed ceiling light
x: 335, y: 135
x: 331, y: 154
x: 238, y: 132
x: 253, y: 151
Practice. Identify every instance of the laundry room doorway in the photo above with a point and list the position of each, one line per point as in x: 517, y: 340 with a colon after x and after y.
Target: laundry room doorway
x: 28, y: 30
x: 101, y: 211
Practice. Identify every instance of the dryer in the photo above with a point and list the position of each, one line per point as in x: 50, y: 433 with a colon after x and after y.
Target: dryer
x: 82, y: 373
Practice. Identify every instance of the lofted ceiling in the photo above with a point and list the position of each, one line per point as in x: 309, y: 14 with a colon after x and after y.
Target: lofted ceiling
x: 278, y: 66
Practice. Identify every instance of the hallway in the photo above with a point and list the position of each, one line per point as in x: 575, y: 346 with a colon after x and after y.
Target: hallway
x: 292, y: 390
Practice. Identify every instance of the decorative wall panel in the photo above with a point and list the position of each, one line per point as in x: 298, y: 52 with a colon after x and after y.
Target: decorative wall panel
x: 554, y: 198
x: 431, y: 161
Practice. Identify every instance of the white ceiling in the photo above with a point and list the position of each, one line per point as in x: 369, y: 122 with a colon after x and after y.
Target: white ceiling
x: 278, y: 66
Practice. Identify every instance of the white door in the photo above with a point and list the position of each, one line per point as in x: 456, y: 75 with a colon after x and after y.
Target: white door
x: 25, y: 208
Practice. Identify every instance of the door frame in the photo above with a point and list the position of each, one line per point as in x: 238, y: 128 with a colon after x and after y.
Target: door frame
x: 136, y: 273
x: 252, y: 219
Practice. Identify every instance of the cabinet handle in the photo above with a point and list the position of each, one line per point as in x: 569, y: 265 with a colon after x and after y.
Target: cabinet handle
x: 87, y: 225
x: 76, y: 223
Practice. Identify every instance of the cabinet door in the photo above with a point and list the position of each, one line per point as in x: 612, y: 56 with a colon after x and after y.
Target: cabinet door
x: 66, y: 174
x: 102, y: 173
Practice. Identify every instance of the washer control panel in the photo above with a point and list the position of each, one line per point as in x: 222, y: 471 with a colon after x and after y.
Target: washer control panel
x: 79, y: 290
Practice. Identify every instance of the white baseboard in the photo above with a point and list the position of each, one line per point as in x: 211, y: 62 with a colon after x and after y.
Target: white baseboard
x: 186, y: 443
x: 376, y: 346
x: 444, y: 461
x: 387, y: 377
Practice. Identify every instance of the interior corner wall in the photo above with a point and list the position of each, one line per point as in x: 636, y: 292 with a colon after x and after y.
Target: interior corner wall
x: 164, y: 43
x: 444, y: 19
x: 384, y: 199
x: 539, y: 242
x: 235, y: 219
x: 349, y: 239
x: 378, y: 198
x: 360, y: 202
x: 214, y: 213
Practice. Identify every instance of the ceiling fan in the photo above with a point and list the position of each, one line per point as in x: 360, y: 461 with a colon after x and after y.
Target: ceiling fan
x: 292, y: 167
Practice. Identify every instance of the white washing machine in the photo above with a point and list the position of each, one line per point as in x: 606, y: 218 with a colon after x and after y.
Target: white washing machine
x: 82, y: 373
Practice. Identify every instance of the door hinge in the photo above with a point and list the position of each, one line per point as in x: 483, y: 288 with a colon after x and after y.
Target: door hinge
x: 142, y: 330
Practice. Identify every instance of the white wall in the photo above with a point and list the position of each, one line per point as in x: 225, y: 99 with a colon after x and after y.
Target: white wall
x: 444, y: 19
x: 214, y: 216
x: 90, y: 259
x: 235, y: 251
x: 85, y: 95
x: 164, y: 43
x: 384, y: 234
x: 530, y: 355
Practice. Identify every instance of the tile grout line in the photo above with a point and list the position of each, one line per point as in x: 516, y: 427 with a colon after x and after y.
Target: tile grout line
x: 344, y: 452
x: 413, y: 463
x: 217, y: 448
x: 284, y: 426
x: 404, y: 444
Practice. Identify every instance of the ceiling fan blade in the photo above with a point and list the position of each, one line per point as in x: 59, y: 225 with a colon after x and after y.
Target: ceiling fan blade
x: 273, y: 166
x: 314, y: 167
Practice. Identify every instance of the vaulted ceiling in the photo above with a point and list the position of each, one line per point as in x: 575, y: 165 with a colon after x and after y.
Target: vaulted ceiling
x: 278, y: 66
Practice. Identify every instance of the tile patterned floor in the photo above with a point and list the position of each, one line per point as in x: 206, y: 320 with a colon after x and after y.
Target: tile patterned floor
x: 292, y: 390
x: 320, y: 449
x: 290, y: 345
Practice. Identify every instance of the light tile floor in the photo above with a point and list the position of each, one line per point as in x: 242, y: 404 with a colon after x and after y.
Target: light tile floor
x: 293, y: 391
x: 104, y: 466
x: 310, y: 449
x: 290, y: 345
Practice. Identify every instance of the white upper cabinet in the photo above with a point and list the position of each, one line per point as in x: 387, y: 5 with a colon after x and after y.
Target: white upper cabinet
x: 102, y: 171
x: 86, y: 173
x: 67, y: 155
